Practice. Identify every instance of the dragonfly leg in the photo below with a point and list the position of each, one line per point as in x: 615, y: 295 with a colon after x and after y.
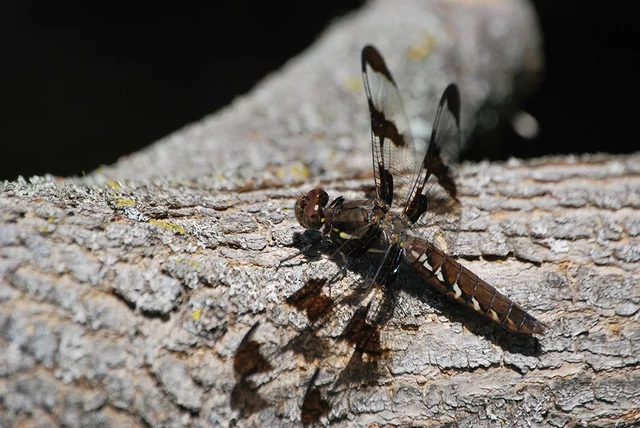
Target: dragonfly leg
x: 300, y: 252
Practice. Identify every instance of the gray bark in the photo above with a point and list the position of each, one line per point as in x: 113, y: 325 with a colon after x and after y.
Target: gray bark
x: 125, y: 294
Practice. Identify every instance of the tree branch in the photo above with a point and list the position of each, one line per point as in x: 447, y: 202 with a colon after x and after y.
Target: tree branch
x: 124, y: 302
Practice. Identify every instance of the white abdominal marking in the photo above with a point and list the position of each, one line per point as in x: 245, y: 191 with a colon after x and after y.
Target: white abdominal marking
x: 476, y: 305
x: 456, y: 290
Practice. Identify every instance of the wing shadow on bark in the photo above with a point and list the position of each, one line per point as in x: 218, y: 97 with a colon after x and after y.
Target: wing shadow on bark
x: 247, y: 361
x: 424, y: 291
x: 362, y: 332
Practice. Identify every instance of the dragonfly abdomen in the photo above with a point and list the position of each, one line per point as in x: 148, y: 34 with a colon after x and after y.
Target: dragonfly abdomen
x: 463, y: 286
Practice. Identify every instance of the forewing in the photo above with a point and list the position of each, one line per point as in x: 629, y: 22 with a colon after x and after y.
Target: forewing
x: 433, y: 202
x: 445, y: 142
x: 392, y: 143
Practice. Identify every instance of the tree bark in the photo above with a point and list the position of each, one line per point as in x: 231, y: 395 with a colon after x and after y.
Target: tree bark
x: 126, y: 295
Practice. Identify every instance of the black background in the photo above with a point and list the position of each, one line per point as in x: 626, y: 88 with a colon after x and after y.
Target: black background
x: 84, y: 84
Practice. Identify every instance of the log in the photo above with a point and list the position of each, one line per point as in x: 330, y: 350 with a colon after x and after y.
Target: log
x: 150, y: 293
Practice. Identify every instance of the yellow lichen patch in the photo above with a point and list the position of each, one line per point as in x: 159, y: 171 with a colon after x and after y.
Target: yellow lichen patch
x: 421, y: 50
x: 51, y: 220
x: 125, y: 202
x: 354, y: 83
x: 317, y: 136
x: 115, y: 185
x: 44, y: 228
x: 615, y: 329
x: 195, y: 315
x: 194, y: 264
x: 167, y: 225
x: 298, y: 172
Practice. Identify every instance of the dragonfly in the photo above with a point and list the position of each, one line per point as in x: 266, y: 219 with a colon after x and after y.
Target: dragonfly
x: 414, y: 216
x: 412, y: 220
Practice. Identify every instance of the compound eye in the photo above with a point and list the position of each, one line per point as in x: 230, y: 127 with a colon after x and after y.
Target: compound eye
x: 310, y: 209
x: 301, y: 203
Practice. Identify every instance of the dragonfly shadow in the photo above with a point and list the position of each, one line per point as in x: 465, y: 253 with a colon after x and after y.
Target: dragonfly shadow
x: 420, y: 288
x: 360, y: 335
x: 515, y: 343
x: 247, y: 361
x: 361, y: 348
x: 361, y: 332
x: 310, y: 245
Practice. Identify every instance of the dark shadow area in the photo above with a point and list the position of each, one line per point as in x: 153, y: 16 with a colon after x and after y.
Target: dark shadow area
x: 314, y: 406
x: 248, y: 360
x: 318, y: 306
x: 369, y: 314
x: 586, y: 102
x: 362, y: 333
x: 83, y: 84
x: 362, y: 367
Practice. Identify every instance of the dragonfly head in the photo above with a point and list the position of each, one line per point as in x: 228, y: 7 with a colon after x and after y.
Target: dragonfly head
x: 310, y: 209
